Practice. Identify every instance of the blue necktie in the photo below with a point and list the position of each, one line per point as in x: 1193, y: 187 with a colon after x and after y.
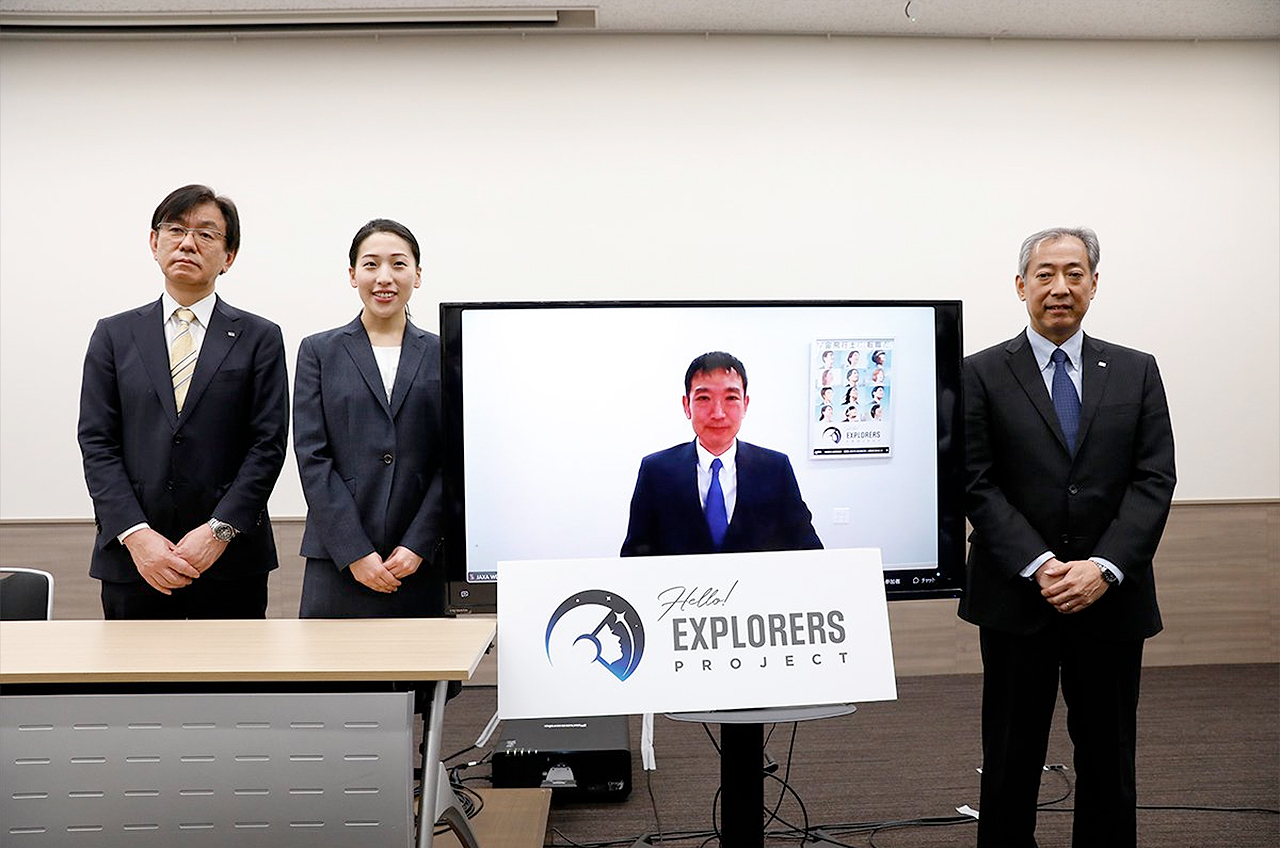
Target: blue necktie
x: 717, y: 515
x: 1065, y: 401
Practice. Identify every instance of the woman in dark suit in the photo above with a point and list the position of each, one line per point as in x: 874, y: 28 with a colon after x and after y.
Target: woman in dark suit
x: 366, y: 432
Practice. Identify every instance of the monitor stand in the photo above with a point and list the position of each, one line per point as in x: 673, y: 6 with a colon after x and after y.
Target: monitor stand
x: 741, y: 772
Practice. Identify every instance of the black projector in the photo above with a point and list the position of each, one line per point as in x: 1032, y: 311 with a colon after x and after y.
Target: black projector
x: 578, y: 759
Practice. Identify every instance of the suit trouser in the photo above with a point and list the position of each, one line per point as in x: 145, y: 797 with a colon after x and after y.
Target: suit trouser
x: 1100, y: 682
x: 205, y: 597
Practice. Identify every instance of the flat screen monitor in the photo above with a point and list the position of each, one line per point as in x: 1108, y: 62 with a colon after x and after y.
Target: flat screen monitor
x: 551, y: 406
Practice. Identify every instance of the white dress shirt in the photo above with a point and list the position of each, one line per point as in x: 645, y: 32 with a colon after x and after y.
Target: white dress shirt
x: 728, y: 476
x: 388, y: 359
x: 204, y: 312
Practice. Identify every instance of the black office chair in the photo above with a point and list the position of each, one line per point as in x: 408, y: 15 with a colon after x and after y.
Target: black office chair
x: 26, y: 594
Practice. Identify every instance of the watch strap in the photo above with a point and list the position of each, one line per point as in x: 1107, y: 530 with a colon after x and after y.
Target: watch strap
x: 222, y: 531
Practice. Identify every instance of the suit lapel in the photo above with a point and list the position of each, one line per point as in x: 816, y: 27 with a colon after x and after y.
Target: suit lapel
x: 746, y: 469
x: 360, y: 350
x: 219, y: 337
x: 1022, y: 361
x: 1094, y: 372
x: 148, y: 335
x: 688, y: 502
x: 412, y: 347
x: 745, y: 466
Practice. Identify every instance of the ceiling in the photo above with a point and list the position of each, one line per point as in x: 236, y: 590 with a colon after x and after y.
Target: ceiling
x: 1054, y: 19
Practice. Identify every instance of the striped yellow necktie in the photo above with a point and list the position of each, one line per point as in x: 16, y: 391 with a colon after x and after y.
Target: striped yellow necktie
x: 182, y: 356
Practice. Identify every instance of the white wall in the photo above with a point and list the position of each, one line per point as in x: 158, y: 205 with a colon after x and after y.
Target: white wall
x: 654, y: 167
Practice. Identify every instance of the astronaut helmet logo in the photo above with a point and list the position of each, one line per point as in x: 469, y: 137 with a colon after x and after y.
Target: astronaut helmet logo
x: 594, y: 628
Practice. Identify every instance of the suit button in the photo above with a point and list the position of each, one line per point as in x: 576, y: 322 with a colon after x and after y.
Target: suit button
x: 387, y: 459
x: 1073, y: 489
x: 168, y: 485
x: 177, y: 440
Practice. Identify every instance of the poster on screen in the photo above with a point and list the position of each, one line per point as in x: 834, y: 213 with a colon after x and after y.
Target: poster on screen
x: 701, y: 632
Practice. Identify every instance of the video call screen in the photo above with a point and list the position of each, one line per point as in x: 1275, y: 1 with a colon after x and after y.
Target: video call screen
x: 550, y: 408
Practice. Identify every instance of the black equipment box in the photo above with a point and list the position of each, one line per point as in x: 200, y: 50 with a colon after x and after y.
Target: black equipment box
x: 579, y: 759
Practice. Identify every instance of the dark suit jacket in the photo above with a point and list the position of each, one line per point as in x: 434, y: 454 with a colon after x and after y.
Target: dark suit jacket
x: 667, y: 516
x: 370, y: 468
x: 1026, y: 494
x: 220, y: 458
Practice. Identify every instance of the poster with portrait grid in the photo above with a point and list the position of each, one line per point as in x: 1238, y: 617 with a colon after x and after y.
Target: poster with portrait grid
x: 851, y: 398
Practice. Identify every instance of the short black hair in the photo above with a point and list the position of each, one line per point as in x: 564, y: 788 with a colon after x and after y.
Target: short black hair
x: 709, y: 363
x: 384, y: 225
x: 182, y: 200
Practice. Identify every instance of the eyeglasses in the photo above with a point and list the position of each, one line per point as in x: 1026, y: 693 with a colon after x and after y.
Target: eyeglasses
x: 204, y: 236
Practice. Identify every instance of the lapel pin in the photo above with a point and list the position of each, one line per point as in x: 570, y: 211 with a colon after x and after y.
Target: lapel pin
x: 231, y: 334
x: 1101, y: 364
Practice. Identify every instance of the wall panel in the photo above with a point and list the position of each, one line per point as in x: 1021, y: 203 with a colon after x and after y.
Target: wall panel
x: 1217, y: 577
x: 630, y: 167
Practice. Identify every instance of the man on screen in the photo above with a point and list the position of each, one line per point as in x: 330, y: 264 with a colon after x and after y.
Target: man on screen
x: 1069, y: 476
x: 717, y: 493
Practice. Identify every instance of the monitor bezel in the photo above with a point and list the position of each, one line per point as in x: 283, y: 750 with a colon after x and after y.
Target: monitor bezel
x: 948, y: 580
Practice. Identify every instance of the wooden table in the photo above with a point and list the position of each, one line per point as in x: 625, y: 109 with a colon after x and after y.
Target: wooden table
x: 84, y: 656
x: 511, y: 818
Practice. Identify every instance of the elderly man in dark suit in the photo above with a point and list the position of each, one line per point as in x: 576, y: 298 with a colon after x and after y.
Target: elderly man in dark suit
x: 184, y: 412
x: 717, y: 493
x: 1070, y: 473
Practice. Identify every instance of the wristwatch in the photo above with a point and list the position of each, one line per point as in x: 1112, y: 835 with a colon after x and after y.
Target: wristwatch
x: 222, y: 531
x: 1108, y: 577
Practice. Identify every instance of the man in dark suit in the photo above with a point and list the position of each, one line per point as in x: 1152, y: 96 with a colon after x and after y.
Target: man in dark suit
x: 184, y: 412
x: 717, y: 493
x: 1070, y: 473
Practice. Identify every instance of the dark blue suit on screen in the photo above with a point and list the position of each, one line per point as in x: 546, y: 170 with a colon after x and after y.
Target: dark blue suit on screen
x: 667, y: 516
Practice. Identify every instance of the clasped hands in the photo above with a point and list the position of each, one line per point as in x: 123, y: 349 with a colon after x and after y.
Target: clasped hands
x: 1071, y: 586
x: 384, y: 575
x: 166, y: 566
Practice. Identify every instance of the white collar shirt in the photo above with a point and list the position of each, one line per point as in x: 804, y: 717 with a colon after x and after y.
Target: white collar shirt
x: 1072, y: 347
x: 728, y: 476
x: 203, y: 310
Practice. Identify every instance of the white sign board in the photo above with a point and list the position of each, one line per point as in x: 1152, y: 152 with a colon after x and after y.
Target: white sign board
x: 691, y: 633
